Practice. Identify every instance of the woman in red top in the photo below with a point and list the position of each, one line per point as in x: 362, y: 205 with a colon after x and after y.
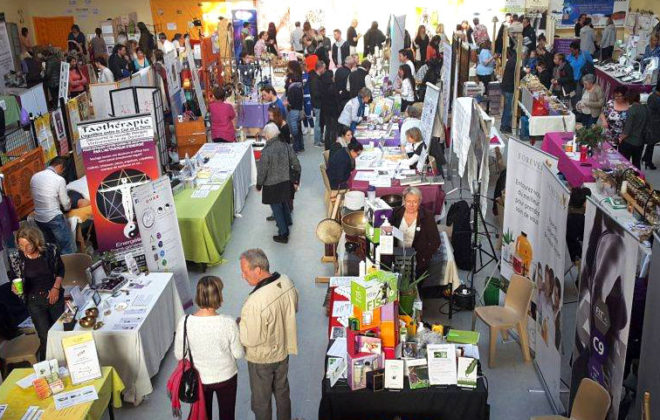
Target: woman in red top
x: 222, y: 117
x: 433, y: 49
x: 77, y: 81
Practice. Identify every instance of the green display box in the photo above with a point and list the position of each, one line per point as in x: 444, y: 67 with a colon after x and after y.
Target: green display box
x: 372, y: 233
x: 375, y: 290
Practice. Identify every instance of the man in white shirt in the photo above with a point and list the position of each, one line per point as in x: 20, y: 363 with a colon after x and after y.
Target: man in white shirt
x: 296, y: 39
x: 406, y: 57
x: 48, y: 189
x: 167, y: 45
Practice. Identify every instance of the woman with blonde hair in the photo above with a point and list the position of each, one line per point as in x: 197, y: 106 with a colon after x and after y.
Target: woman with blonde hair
x: 214, y: 346
x: 39, y: 266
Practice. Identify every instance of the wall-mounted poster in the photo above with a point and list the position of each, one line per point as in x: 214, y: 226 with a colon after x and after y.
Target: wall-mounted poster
x: 119, y: 154
x: 244, y: 23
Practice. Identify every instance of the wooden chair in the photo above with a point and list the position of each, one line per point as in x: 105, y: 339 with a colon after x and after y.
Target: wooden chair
x: 330, y: 195
x: 74, y: 269
x: 22, y: 349
x: 512, y: 315
x: 591, y: 403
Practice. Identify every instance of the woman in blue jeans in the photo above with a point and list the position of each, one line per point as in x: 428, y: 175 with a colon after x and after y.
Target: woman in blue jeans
x: 40, y: 267
x: 295, y: 100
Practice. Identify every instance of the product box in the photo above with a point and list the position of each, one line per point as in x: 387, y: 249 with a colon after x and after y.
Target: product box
x: 376, y: 212
x: 359, y: 366
x: 372, y: 233
x: 375, y: 290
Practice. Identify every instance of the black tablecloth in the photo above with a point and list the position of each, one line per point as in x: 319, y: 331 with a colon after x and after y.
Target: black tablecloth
x: 446, y: 403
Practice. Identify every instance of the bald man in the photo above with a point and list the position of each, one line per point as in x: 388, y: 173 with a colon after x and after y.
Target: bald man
x: 352, y: 37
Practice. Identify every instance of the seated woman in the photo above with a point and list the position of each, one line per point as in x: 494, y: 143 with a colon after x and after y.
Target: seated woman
x: 418, y: 226
x: 413, y: 148
x: 344, y: 138
x: 340, y: 165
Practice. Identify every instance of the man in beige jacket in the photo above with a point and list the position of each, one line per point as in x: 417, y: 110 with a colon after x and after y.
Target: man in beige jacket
x: 268, y: 331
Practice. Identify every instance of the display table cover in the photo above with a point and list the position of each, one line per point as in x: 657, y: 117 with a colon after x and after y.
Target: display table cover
x: 433, y: 196
x: 365, y: 136
x: 108, y: 387
x: 608, y: 83
x: 252, y: 114
x: 205, y: 223
x: 236, y: 159
x: 575, y: 173
x: 540, y: 125
x: 135, y: 354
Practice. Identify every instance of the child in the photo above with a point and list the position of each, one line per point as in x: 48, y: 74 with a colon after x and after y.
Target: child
x: 543, y: 73
x: 531, y: 61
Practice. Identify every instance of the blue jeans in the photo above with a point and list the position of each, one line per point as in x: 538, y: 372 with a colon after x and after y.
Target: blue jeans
x: 318, y: 133
x: 293, y: 120
x: 506, y: 111
x: 57, y: 231
x: 282, y: 214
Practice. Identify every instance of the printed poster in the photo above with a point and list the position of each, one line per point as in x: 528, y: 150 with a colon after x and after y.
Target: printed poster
x: 397, y: 35
x: 548, y: 275
x: 60, y: 132
x: 119, y: 154
x: 159, y: 230
x: 6, y: 57
x: 607, y: 281
x: 45, y: 137
x: 244, y: 36
x: 596, y: 9
x: 74, y: 119
x: 446, y: 82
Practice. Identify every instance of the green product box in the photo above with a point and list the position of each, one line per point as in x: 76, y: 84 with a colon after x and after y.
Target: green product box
x: 372, y: 233
x: 375, y: 290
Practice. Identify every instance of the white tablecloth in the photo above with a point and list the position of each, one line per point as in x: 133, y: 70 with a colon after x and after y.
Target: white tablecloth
x: 538, y: 126
x: 241, y: 165
x: 135, y: 354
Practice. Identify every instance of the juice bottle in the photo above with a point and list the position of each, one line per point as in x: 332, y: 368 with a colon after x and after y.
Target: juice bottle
x: 524, y: 251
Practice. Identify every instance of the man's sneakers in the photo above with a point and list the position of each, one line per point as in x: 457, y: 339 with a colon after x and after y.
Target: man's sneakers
x: 281, y: 239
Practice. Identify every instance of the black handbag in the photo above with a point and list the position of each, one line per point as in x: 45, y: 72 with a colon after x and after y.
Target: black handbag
x: 294, y: 174
x: 189, y: 386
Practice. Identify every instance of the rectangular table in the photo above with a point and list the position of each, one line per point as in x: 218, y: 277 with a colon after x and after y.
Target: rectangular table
x: 433, y: 196
x: 575, y: 173
x: 539, y: 125
x: 135, y: 354
x: 608, y: 82
x: 252, y: 114
x: 108, y: 387
x: 205, y: 223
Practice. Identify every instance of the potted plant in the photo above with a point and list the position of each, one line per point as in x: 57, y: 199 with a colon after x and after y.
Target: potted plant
x: 591, y: 137
x: 408, y: 293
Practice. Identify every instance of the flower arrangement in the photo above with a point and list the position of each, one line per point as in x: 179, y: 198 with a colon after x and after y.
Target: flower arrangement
x: 591, y: 137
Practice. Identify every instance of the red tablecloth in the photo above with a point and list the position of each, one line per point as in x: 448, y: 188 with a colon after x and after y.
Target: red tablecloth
x: 575, y: 173
x: 432, y: 200
x: 608, y: 83
x: 332, y: 321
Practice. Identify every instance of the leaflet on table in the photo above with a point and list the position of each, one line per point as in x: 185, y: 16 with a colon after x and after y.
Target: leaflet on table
x: 394, y: 374
x: 32, y: 413
x: 442, y: 364
x: 75, y: 397
x: 467, y: 372
x: 81, y: 357
x: 365, y: 176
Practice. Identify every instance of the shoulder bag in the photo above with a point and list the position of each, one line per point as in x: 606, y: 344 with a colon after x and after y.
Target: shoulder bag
x: 189, y: 386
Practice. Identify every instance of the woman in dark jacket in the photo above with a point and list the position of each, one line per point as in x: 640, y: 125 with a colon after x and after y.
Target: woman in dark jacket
x: 147, y: 41
x: 40, y: 267
x: 277, y: 171
x: 418, y: 226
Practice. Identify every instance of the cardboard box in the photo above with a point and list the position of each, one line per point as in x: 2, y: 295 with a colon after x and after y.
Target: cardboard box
x: 359, y: 366
x: 375, y: 290
x: 377, y: 211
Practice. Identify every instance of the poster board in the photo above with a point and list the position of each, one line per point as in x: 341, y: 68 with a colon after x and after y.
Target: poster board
x: 397, y: 35
x: 173, y: 71
x: 239, y: 17
x: 159, y: 230
x: 45, y: 137
x: 100, y: 95
x: 81, y: 357
x: 7, y: 63
x: 514, y: 6
x: 122, y: 102
x: 33, y: 100
x: 64, y: 81
x: 607, y: 282
x: 18, y: 174
x: 119, y: 154
x: 460, y: 131
x: 60, y: 133
x: 446, y: 82
x: 430, y: 108
x: 566, y: 12
x: 201, y: 101
x: 73, y: 113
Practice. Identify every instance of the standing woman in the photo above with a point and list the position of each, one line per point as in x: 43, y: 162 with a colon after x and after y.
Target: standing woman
x: 295, y: 101
x: 105, y: 74
x: 632, y: 138
x: 407, y: 90
x: 614, y: 115
x: 486, y: 65
x: 433, y: 50
x: 76, y: 40
x: 421, y: 43
x: 213, y: 340
x: 147, y: 41
x: 77, y: 81
x: 271, y: 41
x: 40, y: 267
x: 275, y: 115
x: 222, y: 118
x: 140, y: 61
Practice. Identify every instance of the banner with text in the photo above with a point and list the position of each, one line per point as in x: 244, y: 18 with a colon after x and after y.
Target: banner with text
x: 119, y: 154
x: 159, y: 230
x: 567, y: 12
x: 446, y: 82
x: 607, y: 282
x: 548, y: 274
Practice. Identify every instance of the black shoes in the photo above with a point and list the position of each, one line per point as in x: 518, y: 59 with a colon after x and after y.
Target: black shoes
x: 281, y: 239
x: 270, y: 218
x: 649, y: 165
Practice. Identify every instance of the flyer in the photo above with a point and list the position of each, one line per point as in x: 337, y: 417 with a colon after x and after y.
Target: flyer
x: 81, y: 357
x: 442, y: 364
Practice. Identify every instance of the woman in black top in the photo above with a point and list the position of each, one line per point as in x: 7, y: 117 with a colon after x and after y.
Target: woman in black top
x: 271, y: 41
x: 295, y: 101
x: 421, y: 42
x: 413, y: 148
x: 40, y: 267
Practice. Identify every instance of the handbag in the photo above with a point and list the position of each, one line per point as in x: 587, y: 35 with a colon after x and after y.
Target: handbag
x: 294, y: 174
x: 189, y: 386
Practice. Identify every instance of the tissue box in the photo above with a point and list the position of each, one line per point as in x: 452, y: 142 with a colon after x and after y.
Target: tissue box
x: 375, y: 290
x: 376, y: 212
x: 359, y: 366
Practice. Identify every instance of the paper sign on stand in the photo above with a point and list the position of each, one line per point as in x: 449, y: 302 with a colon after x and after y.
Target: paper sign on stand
x: 81, y: 357
x: 442, y: 364
x: 64, y: 81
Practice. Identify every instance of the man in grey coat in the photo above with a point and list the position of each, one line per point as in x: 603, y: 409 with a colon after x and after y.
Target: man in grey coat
x: 278, y: 175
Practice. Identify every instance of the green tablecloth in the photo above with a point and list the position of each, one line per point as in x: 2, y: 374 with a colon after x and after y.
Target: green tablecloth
x: 13, y: 112
x: 205, y: 223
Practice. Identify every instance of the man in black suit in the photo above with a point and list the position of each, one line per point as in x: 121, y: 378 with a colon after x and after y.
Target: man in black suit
x: 340, y: 49
x: 329, y: 107
x: 341, y: 81
x: 356, y: 80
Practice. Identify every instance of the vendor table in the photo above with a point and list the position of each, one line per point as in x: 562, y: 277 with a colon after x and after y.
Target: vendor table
x: 539, y: 125
x: 608, y: 82
x: 135, y: 354
x: 433, y: 197
x: 365, y: 136
x: 205, y: 223
x: 237, y: 160
x: 108, y: 387
x: 252, y: 114
x: 575, y: 173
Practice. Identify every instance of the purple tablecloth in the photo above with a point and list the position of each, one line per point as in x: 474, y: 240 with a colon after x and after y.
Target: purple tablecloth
x: 393, y: 140
x: 575, y: 173
x: 252, y: 115
x: 608, y: 83
x: 432, y: 200
x: 562, y: 45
